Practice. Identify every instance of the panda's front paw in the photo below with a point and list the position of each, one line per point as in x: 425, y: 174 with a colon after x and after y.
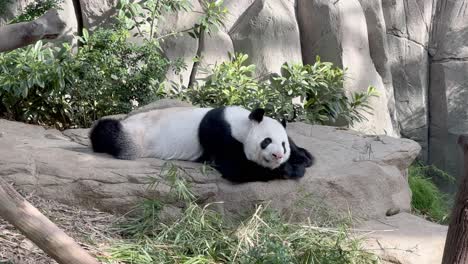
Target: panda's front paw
x: 291, y: 171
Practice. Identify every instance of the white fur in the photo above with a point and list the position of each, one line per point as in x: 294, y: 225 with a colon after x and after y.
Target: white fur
x: 238, y: 118
x: 172, y: 133
x: 252, y: 133
x: 168, y: 134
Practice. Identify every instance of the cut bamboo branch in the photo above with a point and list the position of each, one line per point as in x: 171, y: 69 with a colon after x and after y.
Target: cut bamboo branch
x: 39, y: 229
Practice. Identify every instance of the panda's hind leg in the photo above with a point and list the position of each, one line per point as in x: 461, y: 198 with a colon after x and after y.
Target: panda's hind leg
x: 108, y: 136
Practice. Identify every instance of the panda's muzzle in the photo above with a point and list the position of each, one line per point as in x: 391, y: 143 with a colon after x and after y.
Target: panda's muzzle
x: 277, y: 156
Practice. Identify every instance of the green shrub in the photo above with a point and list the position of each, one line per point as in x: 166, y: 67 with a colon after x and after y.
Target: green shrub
x: 200, y: 235
x: 427, y: 199
x: 32, y: 85
x: 108, y: 75
x: 53, y: 87
x: 231, y: 83
x: 319, y: 87
x: 111, y: 75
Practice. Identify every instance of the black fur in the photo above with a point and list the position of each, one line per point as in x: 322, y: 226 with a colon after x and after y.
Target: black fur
x: 265, y: 143
x: 283, y: 122
x: 106, y: 137
x: 226, y: 154
x: 257, y: 114
x: 298, y: 161
x: 215, y: 137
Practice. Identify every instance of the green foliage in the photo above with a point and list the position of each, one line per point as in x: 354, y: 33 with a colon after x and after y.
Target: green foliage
x: 36, y: 9
x: 108, y: 75
x: 148, y: 221
x: 56, y: 88
x: 230, y: 84
x: 146, y: 16
x: 32, y: 85
x: 200, y: 235
x: 319, y: 87
x: 427, y: 199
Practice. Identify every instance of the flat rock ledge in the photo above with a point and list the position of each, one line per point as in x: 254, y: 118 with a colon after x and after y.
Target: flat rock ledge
x: 354, y: 173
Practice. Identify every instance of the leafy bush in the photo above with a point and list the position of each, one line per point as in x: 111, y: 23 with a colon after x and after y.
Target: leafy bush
x: 200, y: 235
x: 427, y: 199
x: 51, y: 86
x: 319, y: 87
x: 231, y: 83
x: 108, y: 75
x: 111, y: 75
x: 36, y: 9
x: 32, y: 85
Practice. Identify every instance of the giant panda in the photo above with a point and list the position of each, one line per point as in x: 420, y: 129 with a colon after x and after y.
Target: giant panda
x: 242, y: 145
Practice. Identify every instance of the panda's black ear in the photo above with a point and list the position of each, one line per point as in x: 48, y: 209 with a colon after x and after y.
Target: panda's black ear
x: 257, y: 114
x: 283, y: 122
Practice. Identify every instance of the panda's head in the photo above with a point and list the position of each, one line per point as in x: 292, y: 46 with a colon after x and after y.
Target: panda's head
x: 267, y: 142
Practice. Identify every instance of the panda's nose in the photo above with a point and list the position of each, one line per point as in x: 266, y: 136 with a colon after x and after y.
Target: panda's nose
x: 277, y: 156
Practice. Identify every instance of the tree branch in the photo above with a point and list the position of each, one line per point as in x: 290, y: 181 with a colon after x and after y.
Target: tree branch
x: 39, y: 229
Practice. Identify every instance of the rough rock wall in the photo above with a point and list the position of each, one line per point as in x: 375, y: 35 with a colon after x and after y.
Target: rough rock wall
x: 413, y: 51
x: 448, y: 84
x: 338, y: 32
x: 407, y: 29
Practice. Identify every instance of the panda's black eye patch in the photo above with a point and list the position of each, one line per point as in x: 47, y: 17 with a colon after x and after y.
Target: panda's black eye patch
x: 265, y: 143
x: 284, y: 147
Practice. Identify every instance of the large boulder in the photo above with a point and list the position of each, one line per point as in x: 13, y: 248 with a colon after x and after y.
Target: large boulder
x: 269, y: 33
x: 408, y: 37
x: 414, y: 52
x: 379, y: 51
x: 180, y: 46
x: 97, y: 13
x: 215, y: 49
x: 338, y: 33
x: 354, y: 173
x: 357, y: 58
x: 319, y: 24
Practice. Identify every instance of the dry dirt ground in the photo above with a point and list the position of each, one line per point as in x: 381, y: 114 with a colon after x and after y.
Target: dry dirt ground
x: 92, y: 229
